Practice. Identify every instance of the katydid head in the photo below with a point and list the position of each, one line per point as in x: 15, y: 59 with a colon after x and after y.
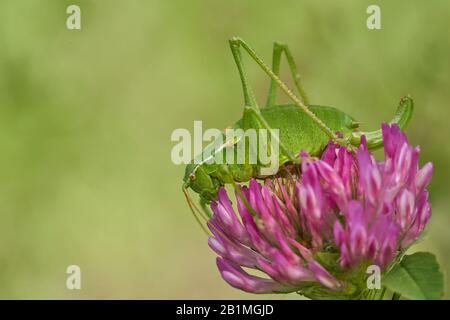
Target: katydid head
x: 197, y: 179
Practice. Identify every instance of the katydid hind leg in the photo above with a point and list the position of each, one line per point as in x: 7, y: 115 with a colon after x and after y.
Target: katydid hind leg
x: 237, y: 43
x: 249, y: 97
x: 278, y: 49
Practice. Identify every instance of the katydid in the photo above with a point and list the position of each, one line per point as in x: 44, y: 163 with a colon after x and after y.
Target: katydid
x: 302, y: 127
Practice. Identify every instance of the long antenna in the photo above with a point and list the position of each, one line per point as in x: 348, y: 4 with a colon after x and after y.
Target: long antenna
x: 194, y: 209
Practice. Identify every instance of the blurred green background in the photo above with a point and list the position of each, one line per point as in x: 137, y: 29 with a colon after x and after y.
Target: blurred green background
x: 86, y: 117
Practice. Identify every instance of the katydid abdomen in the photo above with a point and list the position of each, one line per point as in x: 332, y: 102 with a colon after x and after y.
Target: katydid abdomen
x: 298, y: 132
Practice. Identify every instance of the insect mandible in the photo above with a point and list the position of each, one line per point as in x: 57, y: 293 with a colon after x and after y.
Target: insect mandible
x: 302, y: 127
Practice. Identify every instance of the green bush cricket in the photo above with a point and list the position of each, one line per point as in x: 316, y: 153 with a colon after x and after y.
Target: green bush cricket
x: 301, y: 127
